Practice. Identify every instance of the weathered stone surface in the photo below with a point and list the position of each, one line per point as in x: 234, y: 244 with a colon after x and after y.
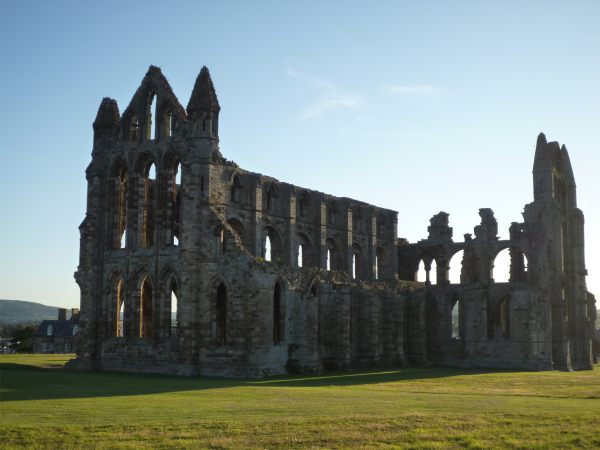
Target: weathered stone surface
x: 272, y: 278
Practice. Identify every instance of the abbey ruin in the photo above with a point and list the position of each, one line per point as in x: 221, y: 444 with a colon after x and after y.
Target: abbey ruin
x: 192, y: 265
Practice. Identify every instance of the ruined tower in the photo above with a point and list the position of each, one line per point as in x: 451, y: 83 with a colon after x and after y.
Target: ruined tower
x: 190, y: 264
x: 556, y: 250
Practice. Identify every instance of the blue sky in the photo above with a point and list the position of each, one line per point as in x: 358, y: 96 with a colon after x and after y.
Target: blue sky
x: 414, y: 106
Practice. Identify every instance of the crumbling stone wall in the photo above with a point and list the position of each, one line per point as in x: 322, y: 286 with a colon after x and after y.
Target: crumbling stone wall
x: 272, y: 278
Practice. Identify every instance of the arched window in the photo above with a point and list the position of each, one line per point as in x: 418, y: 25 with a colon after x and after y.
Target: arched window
x: 277, y: 315
x: 167, y: 124
x: 303, y: 200
x: 120, y: 304
x: 268, y: 249
x: 421, y: 273
x: 146, y: 309
x: 173, y: 310
x: 134, y: 129
x: 456, y: 267
x: 119, y: 206
x: 433, y: 272
x: 271, y: 250
x: 148, y: 219
x: 456, y: 320
x: 331, y: 262
x: 500, y: 272
x: 304, y: 253
x: 331, y: 214
x: 150, y: 127
x: 221, y: 310
x: 357, y: 262
x: 271, y: 198
x: 236, y: 190
x: 176, y: 205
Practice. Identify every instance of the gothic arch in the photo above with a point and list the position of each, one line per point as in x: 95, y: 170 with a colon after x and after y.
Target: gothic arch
x: 144, y: 161
x: 358, y: 268
x: 303, y: 205
x: 333, y: 255
x: 118, y: 202
x: 147, y: 304
x: 170, y: 301
x: 304, y: 250
x: 455, y: 265
x: 236, y: 189
x: 271, y: 237
x: 220, y: 300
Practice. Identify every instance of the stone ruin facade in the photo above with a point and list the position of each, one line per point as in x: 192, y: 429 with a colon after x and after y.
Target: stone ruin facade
x: 192, y: 265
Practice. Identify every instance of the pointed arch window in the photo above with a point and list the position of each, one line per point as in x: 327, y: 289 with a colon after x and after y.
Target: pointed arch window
x: 268, y: 249
x: 175, y: 203
x: 433, y: 272
x: 173, y: 308
x: 271, y: 246
x: 331, y: 262
x: 457, y: 319
x: 134, y: 129
x: 236, y: 190
x: 331, y: 214
x: 357, y: 270
x: 120, y: 309
x: 421, y: 275
x: 167, y: 124
x: 118, y: 207
x: 146, y: 309
x: 150, y: 126
x: 148, y: 213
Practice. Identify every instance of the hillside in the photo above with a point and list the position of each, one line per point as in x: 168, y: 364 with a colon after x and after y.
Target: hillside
x: 14, y: 312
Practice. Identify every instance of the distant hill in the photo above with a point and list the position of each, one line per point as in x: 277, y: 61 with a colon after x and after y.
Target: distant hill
x: 14, y: 312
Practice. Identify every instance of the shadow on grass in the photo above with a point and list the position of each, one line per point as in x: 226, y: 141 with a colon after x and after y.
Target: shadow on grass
x: 26, y: 382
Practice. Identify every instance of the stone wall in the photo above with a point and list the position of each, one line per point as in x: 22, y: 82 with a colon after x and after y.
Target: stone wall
x: 271, y: 278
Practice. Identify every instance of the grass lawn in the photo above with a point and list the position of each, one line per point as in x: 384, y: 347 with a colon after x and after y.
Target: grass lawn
x: 45, y: 406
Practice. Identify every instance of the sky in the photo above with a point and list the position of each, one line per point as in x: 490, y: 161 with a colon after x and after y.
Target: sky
x: 419, y: 107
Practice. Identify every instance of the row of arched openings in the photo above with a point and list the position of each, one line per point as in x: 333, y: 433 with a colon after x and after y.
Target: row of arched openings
x: 502, y: 269
x: 335, y: 260
x: 154, y: 125
x: 144, y: 199
x: 140, y: 314
x: 143, y: 312
x: 498, y: 318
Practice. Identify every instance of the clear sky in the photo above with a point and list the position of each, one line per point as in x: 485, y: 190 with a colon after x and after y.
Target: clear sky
x: 414, y: 106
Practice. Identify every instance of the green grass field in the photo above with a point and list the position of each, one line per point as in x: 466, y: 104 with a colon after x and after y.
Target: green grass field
x: 45, y: 406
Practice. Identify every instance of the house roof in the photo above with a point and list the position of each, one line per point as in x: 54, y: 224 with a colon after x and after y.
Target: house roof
x: 59, y: 328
